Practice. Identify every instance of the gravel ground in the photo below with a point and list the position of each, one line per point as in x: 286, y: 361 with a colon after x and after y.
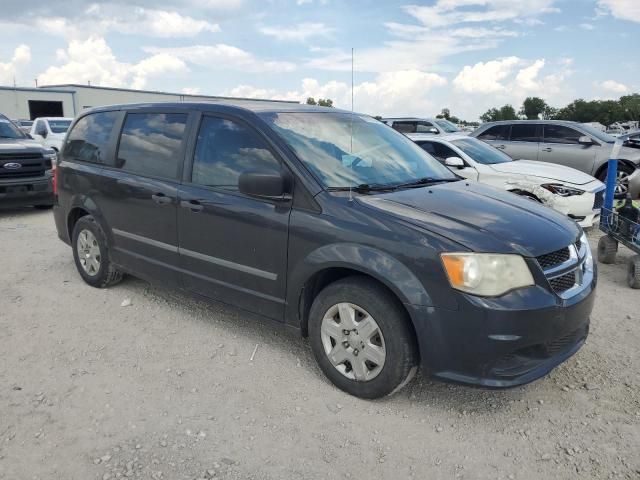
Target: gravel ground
x: 165, y: 389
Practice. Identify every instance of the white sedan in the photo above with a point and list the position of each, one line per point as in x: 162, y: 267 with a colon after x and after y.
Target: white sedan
x: 567, y: 190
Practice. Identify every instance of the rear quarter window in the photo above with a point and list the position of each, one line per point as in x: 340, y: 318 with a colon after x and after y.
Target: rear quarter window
x: 88, y: 141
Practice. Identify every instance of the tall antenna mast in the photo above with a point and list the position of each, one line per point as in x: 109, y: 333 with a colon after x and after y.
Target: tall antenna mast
x: 351, y: 126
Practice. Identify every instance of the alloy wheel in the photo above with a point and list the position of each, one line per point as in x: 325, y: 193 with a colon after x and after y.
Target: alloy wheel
x: 88, y: 252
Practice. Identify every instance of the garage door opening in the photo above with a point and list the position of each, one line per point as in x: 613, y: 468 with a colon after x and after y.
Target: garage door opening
x: 43, y: 108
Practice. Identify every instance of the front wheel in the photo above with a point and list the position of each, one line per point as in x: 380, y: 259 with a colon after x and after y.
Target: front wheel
x: 361, y: 338
x: 622, y: 179
x: 633, y: 272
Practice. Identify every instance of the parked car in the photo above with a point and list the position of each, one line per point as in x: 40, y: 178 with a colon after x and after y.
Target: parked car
x: 434, y: 126
x: 50, y: 131
x: 572, y: 144
x: 24, y: 125
x: 333, y: 224
x: 567, y: 190
x: 25, y: 169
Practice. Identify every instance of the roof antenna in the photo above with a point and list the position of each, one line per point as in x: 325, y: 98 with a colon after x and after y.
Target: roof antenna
x: 351, y: 126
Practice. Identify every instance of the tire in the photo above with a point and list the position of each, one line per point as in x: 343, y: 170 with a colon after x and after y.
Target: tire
x: 624, y: 171
x: 394, y: 338
x: 43, y: 207
x: 633, y: 272
x: 607, y: 249
x: 95, y: 269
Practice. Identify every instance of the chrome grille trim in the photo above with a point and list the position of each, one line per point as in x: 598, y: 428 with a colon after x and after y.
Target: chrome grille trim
x: 574, y: 269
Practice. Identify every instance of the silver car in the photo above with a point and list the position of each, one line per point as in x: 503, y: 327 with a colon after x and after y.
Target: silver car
x: 434, y: 126
x: 572, y: 144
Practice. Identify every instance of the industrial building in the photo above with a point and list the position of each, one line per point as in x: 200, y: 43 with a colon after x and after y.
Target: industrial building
x: 70, y: 99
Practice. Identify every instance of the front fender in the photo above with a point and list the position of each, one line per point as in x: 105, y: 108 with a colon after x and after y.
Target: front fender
x: 359, y: 258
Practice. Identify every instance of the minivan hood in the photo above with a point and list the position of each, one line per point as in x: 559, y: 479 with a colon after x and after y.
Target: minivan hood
x: 479, y: 217
x: 544, y: 170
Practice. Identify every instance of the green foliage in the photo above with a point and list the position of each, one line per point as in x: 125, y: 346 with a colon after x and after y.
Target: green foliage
x: 322, y: 102
x: 506, y: 112
x: 533, y: 108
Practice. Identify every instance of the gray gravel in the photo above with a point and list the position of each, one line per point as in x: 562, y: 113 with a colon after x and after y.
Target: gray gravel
x: 142, y: 382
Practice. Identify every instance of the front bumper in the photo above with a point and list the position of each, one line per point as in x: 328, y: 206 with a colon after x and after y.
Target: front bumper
x: 502, y: 342
x: 26, y: 192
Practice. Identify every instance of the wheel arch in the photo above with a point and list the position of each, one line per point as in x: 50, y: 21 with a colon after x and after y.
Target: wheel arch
x: 385, y: 270
x: 81, y: 207
x: 602, y: 168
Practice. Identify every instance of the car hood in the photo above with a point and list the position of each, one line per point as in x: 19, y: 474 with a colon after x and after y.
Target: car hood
x: 9, y: 145
x: 546, y: 170
x: 479, y: 217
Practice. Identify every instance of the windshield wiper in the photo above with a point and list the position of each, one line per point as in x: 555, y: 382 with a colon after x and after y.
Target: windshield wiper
x: 363, y: 188
x: 420, y: 182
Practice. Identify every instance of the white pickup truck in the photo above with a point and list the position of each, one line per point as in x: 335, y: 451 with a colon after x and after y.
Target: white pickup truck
x: 50, y: 131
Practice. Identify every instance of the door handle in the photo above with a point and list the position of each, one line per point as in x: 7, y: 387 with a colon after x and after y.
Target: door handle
x: 499, y: 147
x: 194, y: 205
x: 548, y: 149
x: 161, y: 198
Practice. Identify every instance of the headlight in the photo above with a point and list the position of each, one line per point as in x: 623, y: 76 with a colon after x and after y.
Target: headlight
x: 50, y: 158
x: 486, y: 274
x: 562, y: 190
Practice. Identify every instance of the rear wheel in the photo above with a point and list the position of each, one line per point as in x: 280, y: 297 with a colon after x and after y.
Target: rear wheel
x: 361, y: 339
x: 633, y: 272
x: 607, y: 249
x: 91, y: 254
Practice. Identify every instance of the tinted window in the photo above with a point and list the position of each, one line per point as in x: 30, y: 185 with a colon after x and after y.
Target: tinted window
x: 224, y: 150
x: 59, y: 126
x: 9, y: 130
x: 438, y: 150
x: 524, y: 132
x: 405, y: 127
x: 89, y: 139
x: 497, y: 132
x: 481, y: 152
x: 560, y: 134
x: 424, y: 127
x: 150, y: 143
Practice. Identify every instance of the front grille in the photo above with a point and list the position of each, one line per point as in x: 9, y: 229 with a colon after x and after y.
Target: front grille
x: 549, y: 260
x: 563, y: 283
x: 598, y: 200
x: 31, y: 165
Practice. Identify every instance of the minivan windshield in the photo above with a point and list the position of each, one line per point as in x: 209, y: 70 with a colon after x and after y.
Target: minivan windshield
x: 481, y: 152
x: 9, y: 130
x: 346, y: 150
x: 59, y: 126
x: 447, y: 126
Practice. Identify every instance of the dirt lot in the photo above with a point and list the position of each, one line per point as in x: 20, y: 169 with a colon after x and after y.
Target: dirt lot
x: 165, y: 389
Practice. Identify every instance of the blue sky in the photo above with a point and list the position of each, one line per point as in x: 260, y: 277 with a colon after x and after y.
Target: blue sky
x: 410, y: 58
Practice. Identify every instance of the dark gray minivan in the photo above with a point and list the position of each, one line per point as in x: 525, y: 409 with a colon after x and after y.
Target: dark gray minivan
x: 334, y: 224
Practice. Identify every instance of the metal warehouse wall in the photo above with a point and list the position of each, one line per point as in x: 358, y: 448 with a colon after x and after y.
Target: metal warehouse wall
x: 14, y: 102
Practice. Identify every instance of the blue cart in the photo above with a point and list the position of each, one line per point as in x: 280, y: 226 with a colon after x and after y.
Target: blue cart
x: 618, y: 229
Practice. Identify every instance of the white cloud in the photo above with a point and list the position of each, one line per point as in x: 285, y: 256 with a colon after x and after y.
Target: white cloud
x: 99, y: 19
x: 224, y: 57
x: 586, y: 26
x: 485, y: 77
x: 405, y: 92
x: 614, y: 87
x: 10, y: 70
x: 93, y: 60
x: 448, y: 12
x: 527, y: 78
x: 622, y: 9
x: 299, y: 32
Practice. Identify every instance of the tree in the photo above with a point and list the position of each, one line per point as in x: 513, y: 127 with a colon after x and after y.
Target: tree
x: 506, y: 112
x: 322, y: 102
x: 533, y: 107
x: 446, y: 114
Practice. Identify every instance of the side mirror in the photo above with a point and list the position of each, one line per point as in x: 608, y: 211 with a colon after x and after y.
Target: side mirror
x: 433, y: 130
x: 454, y: 162
x: 271, y: 185
x: 42, y: 132
x: 585, y: 140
